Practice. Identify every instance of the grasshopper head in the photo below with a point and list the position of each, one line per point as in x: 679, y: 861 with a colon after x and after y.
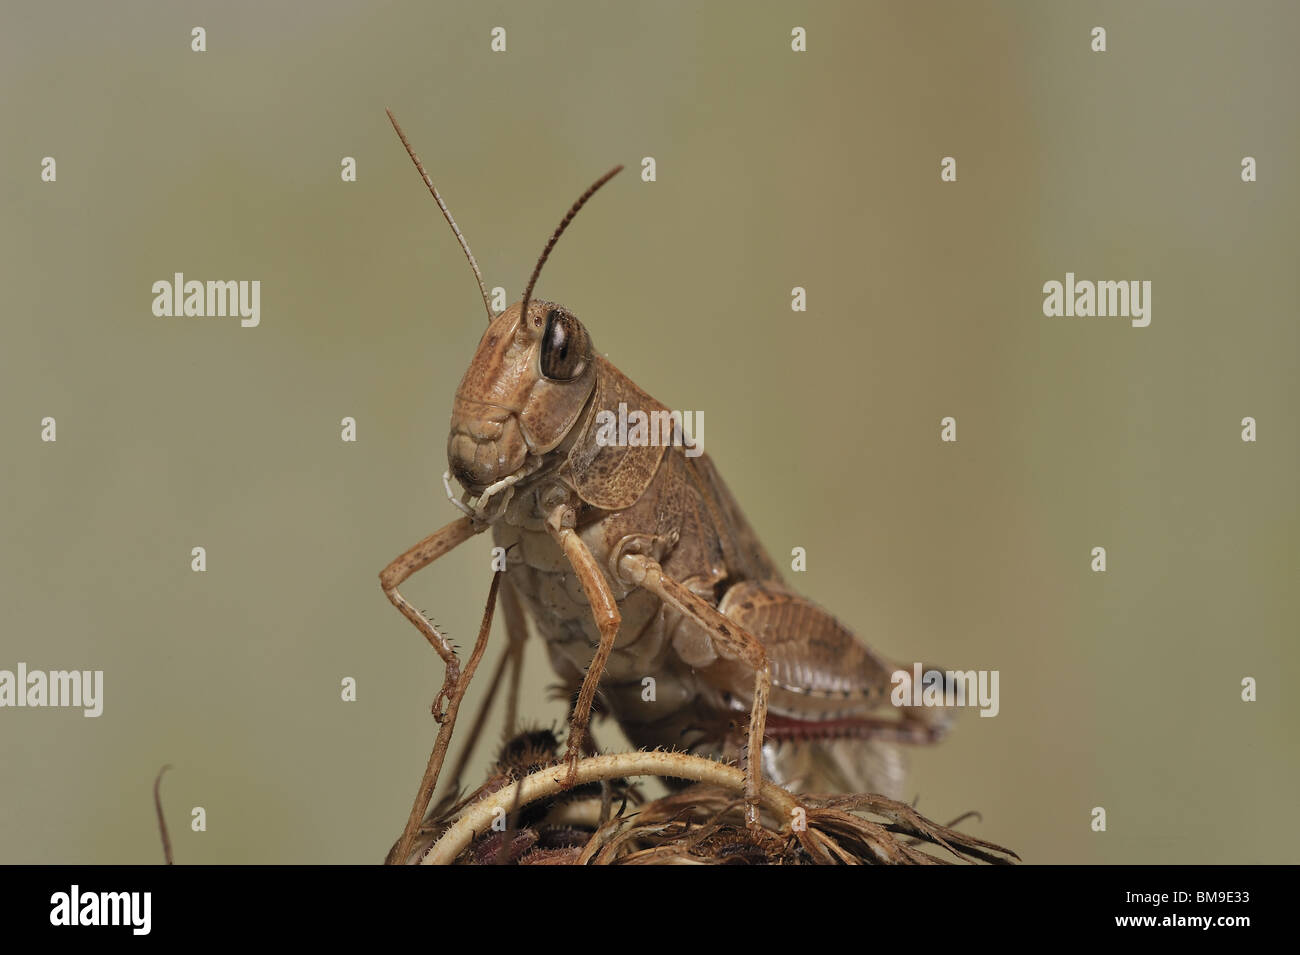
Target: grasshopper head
x: 521, y: 395
x: 531, y: 376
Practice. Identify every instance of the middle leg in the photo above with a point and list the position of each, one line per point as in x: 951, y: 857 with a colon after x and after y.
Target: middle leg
x: 604, y: 607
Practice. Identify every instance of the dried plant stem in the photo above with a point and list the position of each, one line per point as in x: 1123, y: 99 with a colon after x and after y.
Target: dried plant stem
x: 162, y: 820
x: 478, y: 818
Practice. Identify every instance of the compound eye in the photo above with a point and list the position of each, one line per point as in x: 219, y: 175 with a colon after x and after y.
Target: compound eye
x: 564, y: 347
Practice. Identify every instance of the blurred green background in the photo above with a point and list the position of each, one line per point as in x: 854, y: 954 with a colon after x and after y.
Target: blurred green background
x: 775, y: 169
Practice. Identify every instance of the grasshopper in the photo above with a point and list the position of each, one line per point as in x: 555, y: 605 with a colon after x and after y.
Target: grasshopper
x: 636, y: 561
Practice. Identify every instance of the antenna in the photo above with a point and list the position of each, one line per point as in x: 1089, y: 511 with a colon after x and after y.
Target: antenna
x: 446, y: 213
x: 559, y: 231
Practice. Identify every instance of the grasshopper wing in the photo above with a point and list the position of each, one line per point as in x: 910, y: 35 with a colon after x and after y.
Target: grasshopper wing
x: 831, y: 724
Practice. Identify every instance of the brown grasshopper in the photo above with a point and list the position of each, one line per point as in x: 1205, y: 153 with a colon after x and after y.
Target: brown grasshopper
x: 635, y: 561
